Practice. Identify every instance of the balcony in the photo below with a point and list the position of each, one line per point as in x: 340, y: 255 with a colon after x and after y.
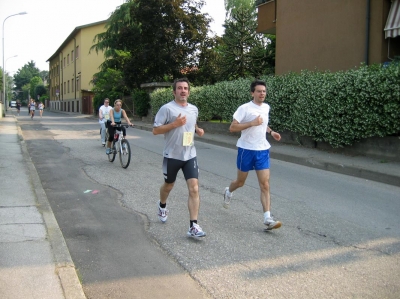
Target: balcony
x: 266, y: 16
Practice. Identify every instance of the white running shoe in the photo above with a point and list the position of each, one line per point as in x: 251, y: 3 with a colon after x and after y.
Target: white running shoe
x: 196, y: 231
x: 271, y: 223
x: 162, y: 214
x: 227, y: 198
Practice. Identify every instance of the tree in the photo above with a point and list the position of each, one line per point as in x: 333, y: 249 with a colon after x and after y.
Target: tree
x: 153, y: 40
x: 35, y: 81
x: 24, y: 93
x: 1, y: 79
x: 44, y: 75
x: 41, y: 91
x: 8, y: 83
x: 232, y: 5
x: 108, y: 83
x: 244, y: 52
x: 206, y: 69
x: 23, y: 76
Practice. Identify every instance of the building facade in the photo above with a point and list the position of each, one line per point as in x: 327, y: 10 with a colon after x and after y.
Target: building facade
x: 330, y: 35
x: 71, y: 68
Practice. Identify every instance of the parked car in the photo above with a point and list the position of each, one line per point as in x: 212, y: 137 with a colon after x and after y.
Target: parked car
x: 13, y: 104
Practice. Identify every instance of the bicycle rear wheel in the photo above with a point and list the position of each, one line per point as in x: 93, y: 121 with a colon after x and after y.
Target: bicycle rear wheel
x: 125, y: 153
x: 111, y: 155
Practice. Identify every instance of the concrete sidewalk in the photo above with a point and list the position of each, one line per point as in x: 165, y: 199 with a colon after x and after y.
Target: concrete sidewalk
x: 34, y: 259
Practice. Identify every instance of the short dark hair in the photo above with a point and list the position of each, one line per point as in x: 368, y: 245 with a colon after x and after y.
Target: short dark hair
x: 255, y: 83
x: 180, y: 80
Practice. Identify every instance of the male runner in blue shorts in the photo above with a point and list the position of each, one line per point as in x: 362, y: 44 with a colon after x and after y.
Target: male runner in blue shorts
x: 177, y: 120
x: 251, y: 119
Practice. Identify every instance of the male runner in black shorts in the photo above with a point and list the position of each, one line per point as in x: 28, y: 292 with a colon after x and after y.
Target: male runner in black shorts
x: 177, y: 120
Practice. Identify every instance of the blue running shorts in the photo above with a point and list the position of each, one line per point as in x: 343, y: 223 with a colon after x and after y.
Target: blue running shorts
x: 252, y: 160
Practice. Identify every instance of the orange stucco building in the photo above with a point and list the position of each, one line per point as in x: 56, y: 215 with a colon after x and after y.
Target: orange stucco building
x: 330, y: 35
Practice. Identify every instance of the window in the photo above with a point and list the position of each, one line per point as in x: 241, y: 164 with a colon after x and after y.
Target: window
x: 72, y: 55
x: 65, y: 87
x: 68, y: 59
x: 73, y: 85
x: 77, y: 52
x: 64, y: 61
x: 68, y: 86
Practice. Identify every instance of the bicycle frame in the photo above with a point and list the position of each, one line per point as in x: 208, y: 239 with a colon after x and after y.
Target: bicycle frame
x: 117, y: 142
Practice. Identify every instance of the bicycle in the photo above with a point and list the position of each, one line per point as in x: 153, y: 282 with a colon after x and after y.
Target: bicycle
x: 120, y: 145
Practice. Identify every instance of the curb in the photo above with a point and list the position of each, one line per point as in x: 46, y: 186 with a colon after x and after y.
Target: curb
x: 354, y: 171
x: 340, y: 168
x: 64, y: 265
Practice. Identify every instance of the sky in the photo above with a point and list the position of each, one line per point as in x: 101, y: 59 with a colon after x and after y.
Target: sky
x: 38, y: 34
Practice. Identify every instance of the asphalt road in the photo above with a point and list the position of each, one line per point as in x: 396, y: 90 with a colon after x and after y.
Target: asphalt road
x: 340, y: 236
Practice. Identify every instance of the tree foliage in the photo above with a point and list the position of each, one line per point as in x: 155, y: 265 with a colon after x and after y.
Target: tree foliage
x: 41, y: 91
x: 153, y: 40
x: 232, y: 5
x: 44, y: 75
x: 108, y: 83
x: 23, y: 76
x: 8, y: 83
x: 1, y: 78
x: 244, y: 52
x: 206, y: 71
x: 35, y: 81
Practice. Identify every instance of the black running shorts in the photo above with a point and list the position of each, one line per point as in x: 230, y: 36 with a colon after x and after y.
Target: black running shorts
x: 171, y: 168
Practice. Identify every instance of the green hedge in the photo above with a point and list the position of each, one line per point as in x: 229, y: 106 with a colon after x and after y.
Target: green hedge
x: 338, y: 108
x: 141, y: 102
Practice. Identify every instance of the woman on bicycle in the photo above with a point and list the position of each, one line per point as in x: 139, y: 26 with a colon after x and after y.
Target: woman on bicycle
x: 115, y: 115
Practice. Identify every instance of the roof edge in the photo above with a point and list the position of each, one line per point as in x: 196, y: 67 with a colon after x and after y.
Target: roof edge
x: 72, y: 34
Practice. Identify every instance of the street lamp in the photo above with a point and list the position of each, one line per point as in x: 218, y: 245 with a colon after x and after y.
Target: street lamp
x: 4, y: 76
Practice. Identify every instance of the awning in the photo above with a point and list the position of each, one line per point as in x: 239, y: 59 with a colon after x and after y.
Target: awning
x: 392, y: 28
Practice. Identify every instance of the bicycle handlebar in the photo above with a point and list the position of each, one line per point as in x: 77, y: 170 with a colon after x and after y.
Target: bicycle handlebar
x: 120, y: 126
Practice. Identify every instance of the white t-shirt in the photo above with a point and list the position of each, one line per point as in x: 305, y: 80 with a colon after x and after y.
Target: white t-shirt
x: 253, y: 138
x: 105, y: 111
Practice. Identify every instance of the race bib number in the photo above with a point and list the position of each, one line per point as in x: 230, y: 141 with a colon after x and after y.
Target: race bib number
x: 187, y: 138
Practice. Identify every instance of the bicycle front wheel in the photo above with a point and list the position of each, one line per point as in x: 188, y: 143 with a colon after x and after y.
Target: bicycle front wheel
x: 111, y: 155
x: 125, y: 153
x: 106, y: 138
